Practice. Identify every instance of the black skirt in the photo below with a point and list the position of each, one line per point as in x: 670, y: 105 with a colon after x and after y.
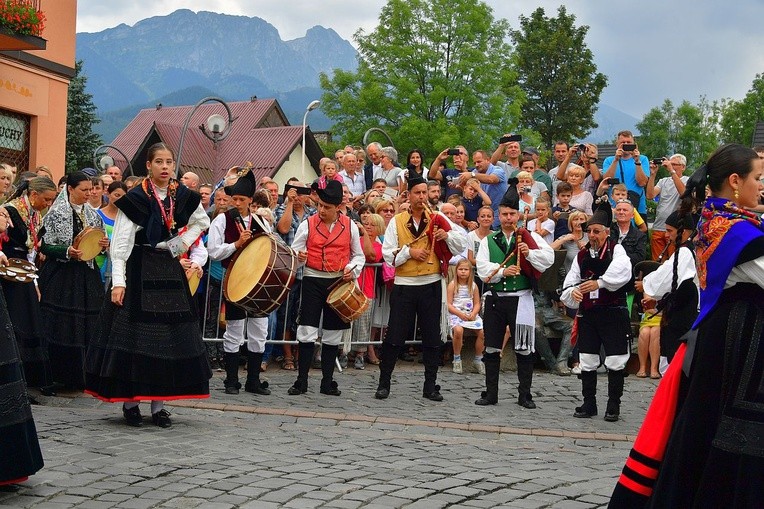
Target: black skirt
x: 150, y: 348
x: 21, y: 456
x: 72, y: 297
x: 26, y: 317
x: 715, y: 454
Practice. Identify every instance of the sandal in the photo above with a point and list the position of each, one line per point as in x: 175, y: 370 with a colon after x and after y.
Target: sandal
x: 655, y: 376
x: 288, y: 364
x: 373, y: 361
x: 641, y: 374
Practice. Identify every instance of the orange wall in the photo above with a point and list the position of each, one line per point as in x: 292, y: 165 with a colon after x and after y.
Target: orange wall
x: 43, y: 94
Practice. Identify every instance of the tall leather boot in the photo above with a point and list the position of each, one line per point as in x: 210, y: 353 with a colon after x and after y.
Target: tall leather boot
x: 490, y: 396
x: 614, y: 393
x: 387, y: 360
x: 231, y: 381
x: 525, y: 378
x: 253, y: 383
x: 589, y: 391
x: 328, y: 360
x: 431, y: 358
x: 303, y: 367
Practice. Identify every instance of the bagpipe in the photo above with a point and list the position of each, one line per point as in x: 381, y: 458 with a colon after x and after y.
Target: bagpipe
x: 522, y: 235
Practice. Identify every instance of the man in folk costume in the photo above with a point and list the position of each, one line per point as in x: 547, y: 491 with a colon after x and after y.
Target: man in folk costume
x: 595, y: 285
x: 329, y: 245
x: 229, y: 233
x: 510, y: 261
x: 418, y: 243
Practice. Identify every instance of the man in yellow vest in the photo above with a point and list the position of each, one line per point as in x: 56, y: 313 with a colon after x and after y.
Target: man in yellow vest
x: 416, y: 243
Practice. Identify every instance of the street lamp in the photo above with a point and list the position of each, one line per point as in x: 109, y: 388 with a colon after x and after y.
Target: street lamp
x: 216, y: 128
x: 312, y: 106
x: 106, y: 160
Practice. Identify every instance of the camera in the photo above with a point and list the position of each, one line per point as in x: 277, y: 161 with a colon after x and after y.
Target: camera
x: 512, y: 137
x: 526, y: 189
x: 454, y: 151
x: 658, y: 161
x: 582, y: 146
x: 629, y: 147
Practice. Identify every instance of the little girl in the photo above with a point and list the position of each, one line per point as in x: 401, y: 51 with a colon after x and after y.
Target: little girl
x: 463, y: 300
x: 542, y: 224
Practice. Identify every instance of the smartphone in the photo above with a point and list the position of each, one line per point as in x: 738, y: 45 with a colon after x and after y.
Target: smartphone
x: 658, y: 161
x: 511, y: 137
x: 391, y: 192
x: 300, y: 190
x: 454, y: 151
x: 629, y: 147
x: 613, y: 181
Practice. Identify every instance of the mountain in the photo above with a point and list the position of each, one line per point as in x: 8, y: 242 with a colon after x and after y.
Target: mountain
x: 233, y: 57
x: 610, y: 121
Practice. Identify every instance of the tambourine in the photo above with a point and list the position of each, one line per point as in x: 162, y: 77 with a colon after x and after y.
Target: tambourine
x: 19, y: 271
x: 87, y: 241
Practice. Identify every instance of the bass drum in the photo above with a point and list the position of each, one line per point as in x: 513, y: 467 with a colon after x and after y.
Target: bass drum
x: 260, y: 275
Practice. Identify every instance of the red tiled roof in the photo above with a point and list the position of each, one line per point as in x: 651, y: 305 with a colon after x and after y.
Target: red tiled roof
x: 249, y: 139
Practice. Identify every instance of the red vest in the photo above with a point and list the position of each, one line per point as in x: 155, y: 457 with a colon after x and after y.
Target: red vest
x: 230, y: 235
x: 328, y: 251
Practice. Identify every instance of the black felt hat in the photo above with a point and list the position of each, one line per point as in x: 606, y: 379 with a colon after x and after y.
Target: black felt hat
x: 681, y: 221
x: 415, y: 180
x: 511, y: 199
x: 603, y: 215
x: 331, y: 194
x: 244, y: 186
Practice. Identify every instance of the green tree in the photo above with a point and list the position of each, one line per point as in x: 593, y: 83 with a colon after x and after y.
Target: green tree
x: 556, y: 71
x: 739, y: 117
x: 689, y: 129
x: 432, y: 74
x: 81, y: 141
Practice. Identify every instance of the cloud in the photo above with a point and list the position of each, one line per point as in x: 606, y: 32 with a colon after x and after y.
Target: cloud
x: 650, y: 50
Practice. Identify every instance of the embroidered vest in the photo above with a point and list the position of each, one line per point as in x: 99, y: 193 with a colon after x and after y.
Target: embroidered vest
x: 406, y: 237
x: 328, y: 251
x: 497, y: 255
x: 593, y: 268
x: 230, y: 234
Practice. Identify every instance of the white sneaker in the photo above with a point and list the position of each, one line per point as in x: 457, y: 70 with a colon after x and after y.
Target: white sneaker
x: 457, y: 366
x: 480, y: 367
x: 576, y: 370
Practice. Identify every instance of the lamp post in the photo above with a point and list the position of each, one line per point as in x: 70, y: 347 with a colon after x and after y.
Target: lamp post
x: 216, y: 128
x: 312, y: 106
x: 106, y: 160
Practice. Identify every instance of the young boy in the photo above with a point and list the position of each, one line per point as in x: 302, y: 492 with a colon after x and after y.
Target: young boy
x: 562, y: 209
x: 473, y: 197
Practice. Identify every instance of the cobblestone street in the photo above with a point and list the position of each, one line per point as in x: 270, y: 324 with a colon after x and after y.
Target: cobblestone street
x: 345, y: 452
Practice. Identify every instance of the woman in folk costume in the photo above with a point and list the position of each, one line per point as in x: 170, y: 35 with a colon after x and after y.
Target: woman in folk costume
x: 701, y: 442
x: 71, y: 289
x: 21, y: 456
x: 149, y: 346
x: 23, y: 241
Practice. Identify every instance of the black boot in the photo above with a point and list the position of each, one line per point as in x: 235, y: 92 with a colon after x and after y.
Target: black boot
x: 231, y: 381
x: 614, y: 393
x: 389, y: 356
x: 490, y: 396
x: 254, y: 384
x: 303, y: 367
x: 431, y: 358
x: 328, y: 360
x: 589, y: 391
x: 525, y: 378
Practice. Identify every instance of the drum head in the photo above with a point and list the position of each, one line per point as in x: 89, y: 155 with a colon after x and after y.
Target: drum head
x: 19, y: 271
x: 250, y: 265
x: 339, y: 292
x: 87, y: 242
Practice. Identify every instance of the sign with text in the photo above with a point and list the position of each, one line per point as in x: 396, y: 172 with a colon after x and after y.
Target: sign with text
x: 11, y: 133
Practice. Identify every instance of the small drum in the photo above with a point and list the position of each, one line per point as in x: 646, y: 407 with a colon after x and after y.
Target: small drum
x: 348, y: 301
x: 19, y: 271
x: 193, y: 280
x: 260, y: 275
x: 87, y: 242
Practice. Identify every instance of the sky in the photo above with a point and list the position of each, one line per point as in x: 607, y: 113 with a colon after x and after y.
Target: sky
x: 650, y: 50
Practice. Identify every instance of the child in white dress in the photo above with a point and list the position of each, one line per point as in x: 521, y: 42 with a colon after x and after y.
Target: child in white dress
x: 463, y: 299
